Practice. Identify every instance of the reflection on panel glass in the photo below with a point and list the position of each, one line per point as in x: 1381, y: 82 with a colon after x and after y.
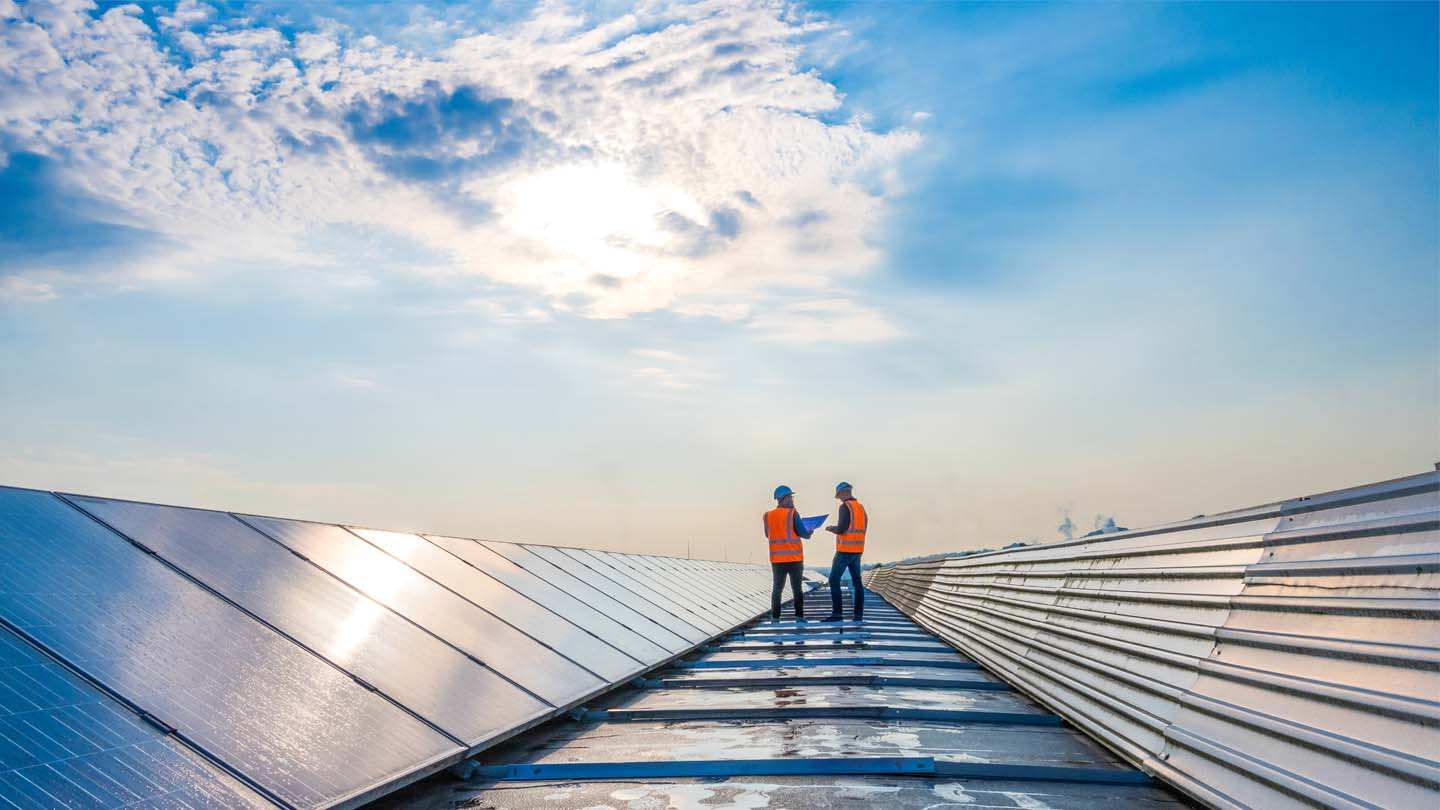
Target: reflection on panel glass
x: 63, y: 743
x: 274, y: 712
x: 616, y: 568
x: 739, y: 590
x: 731, y: 590
x: 544, y: 593
x: 741, y: 587
x: 542, y: 669
x: 620, y: 593
x: 419, y: 599
x: 357, y: 634
x: 707, y: 592
x: 584, y: 592
x: 684, y: 587
x: 665, y: 583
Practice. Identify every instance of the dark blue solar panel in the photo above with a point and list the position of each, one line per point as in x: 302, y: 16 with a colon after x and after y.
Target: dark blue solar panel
x: 650, y: 589
x: 290, y: 722
x: 545, y: 593
x: 740, y: 590
x: 426, y: 602
x: 620, y: 593
x: 65, y: 743
x: 712, y: 600
x: 545, y: 671
x: 357, y: 634
x: 583, y: 591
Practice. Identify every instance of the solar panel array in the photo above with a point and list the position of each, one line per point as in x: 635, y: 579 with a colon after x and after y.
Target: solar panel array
x: 159, y: 656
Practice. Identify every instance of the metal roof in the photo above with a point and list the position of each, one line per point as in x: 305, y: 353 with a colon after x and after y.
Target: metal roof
x: 803, y: 715
x: 1282, y: 655
x: 1286, y: 655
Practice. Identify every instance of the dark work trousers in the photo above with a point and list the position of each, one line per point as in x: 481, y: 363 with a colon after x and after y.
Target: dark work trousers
x: 778, y: 572
x: 846, y: 562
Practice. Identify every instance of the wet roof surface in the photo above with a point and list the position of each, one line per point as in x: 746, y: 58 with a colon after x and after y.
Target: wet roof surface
x: 791, y: 715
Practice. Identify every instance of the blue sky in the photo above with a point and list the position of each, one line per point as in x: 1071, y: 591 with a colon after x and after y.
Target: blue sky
x: 606, y: 274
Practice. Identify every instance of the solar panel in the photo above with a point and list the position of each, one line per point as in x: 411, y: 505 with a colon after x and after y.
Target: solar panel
x: 714, y: 600
x: 748, y: 592
x: 666, y: 578
x: 614, y: 567
x: 586, y: 593
x: 544, y: 593
x: 296, y: 726
x: 741, y: 591
x: 748, y: 589
x: 542, y: 669
x: 734, y: 591
x: 621, y: 594
x: 65, y: 743
x: 419, y: 599
x: 417, y: 670
x: 664, y: 575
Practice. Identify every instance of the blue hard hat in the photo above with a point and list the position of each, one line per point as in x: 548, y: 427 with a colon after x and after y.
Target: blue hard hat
x: 842, y: 485
x: 782, y: 490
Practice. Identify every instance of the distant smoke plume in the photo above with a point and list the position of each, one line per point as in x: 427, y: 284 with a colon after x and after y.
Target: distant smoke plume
x: 1067, y: 526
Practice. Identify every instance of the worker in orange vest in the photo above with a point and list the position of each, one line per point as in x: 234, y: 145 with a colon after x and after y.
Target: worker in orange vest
x: 849, y: 531
x: 784, y: 530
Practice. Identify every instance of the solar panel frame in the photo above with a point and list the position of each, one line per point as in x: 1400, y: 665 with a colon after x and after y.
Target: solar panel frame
x: 559, y: 679
x: 640, y: 649
x: 620, y: 593
x: 625, y: 574
x: 745, y: 596
x: 749, y: 590
x: 94, y: 741
x: 669, y: 571
x: 742, y: 586
x: 587, y: 593
x: 438, y: 683
x: 714, y: 605
x: 544, y: 624
x: 155, y: 638
x: 421, y: 600
x: 742, y: 589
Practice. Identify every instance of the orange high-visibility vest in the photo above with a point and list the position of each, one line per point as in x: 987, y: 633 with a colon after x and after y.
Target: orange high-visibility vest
x: 780, y: 531
x: 853, y: 540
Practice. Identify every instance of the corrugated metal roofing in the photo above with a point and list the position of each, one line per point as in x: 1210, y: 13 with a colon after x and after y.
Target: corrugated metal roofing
x: 804, y: 715
x: 1286, y: 655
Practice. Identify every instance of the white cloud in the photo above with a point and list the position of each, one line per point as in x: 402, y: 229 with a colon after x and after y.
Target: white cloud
x: 826, y: 321
x: 353, y: 379
x: 186, y: 14
x: 663, y: 355
x: 672, y: 158
x: 22, y: 288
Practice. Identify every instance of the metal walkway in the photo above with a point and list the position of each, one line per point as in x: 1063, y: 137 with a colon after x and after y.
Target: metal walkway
x: 804, y: 715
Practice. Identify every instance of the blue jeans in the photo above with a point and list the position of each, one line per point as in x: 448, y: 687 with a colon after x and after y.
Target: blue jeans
x: 846, y: 562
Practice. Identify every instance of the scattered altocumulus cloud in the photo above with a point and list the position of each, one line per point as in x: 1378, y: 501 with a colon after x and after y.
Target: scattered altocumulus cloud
x: 674, y: 157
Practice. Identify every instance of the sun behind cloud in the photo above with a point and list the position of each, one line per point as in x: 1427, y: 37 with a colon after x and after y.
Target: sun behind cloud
x: 678, y: 157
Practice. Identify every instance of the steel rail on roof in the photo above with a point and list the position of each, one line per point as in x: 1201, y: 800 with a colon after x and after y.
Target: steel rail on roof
x: 821, y: 717
x: 1286, y: 655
